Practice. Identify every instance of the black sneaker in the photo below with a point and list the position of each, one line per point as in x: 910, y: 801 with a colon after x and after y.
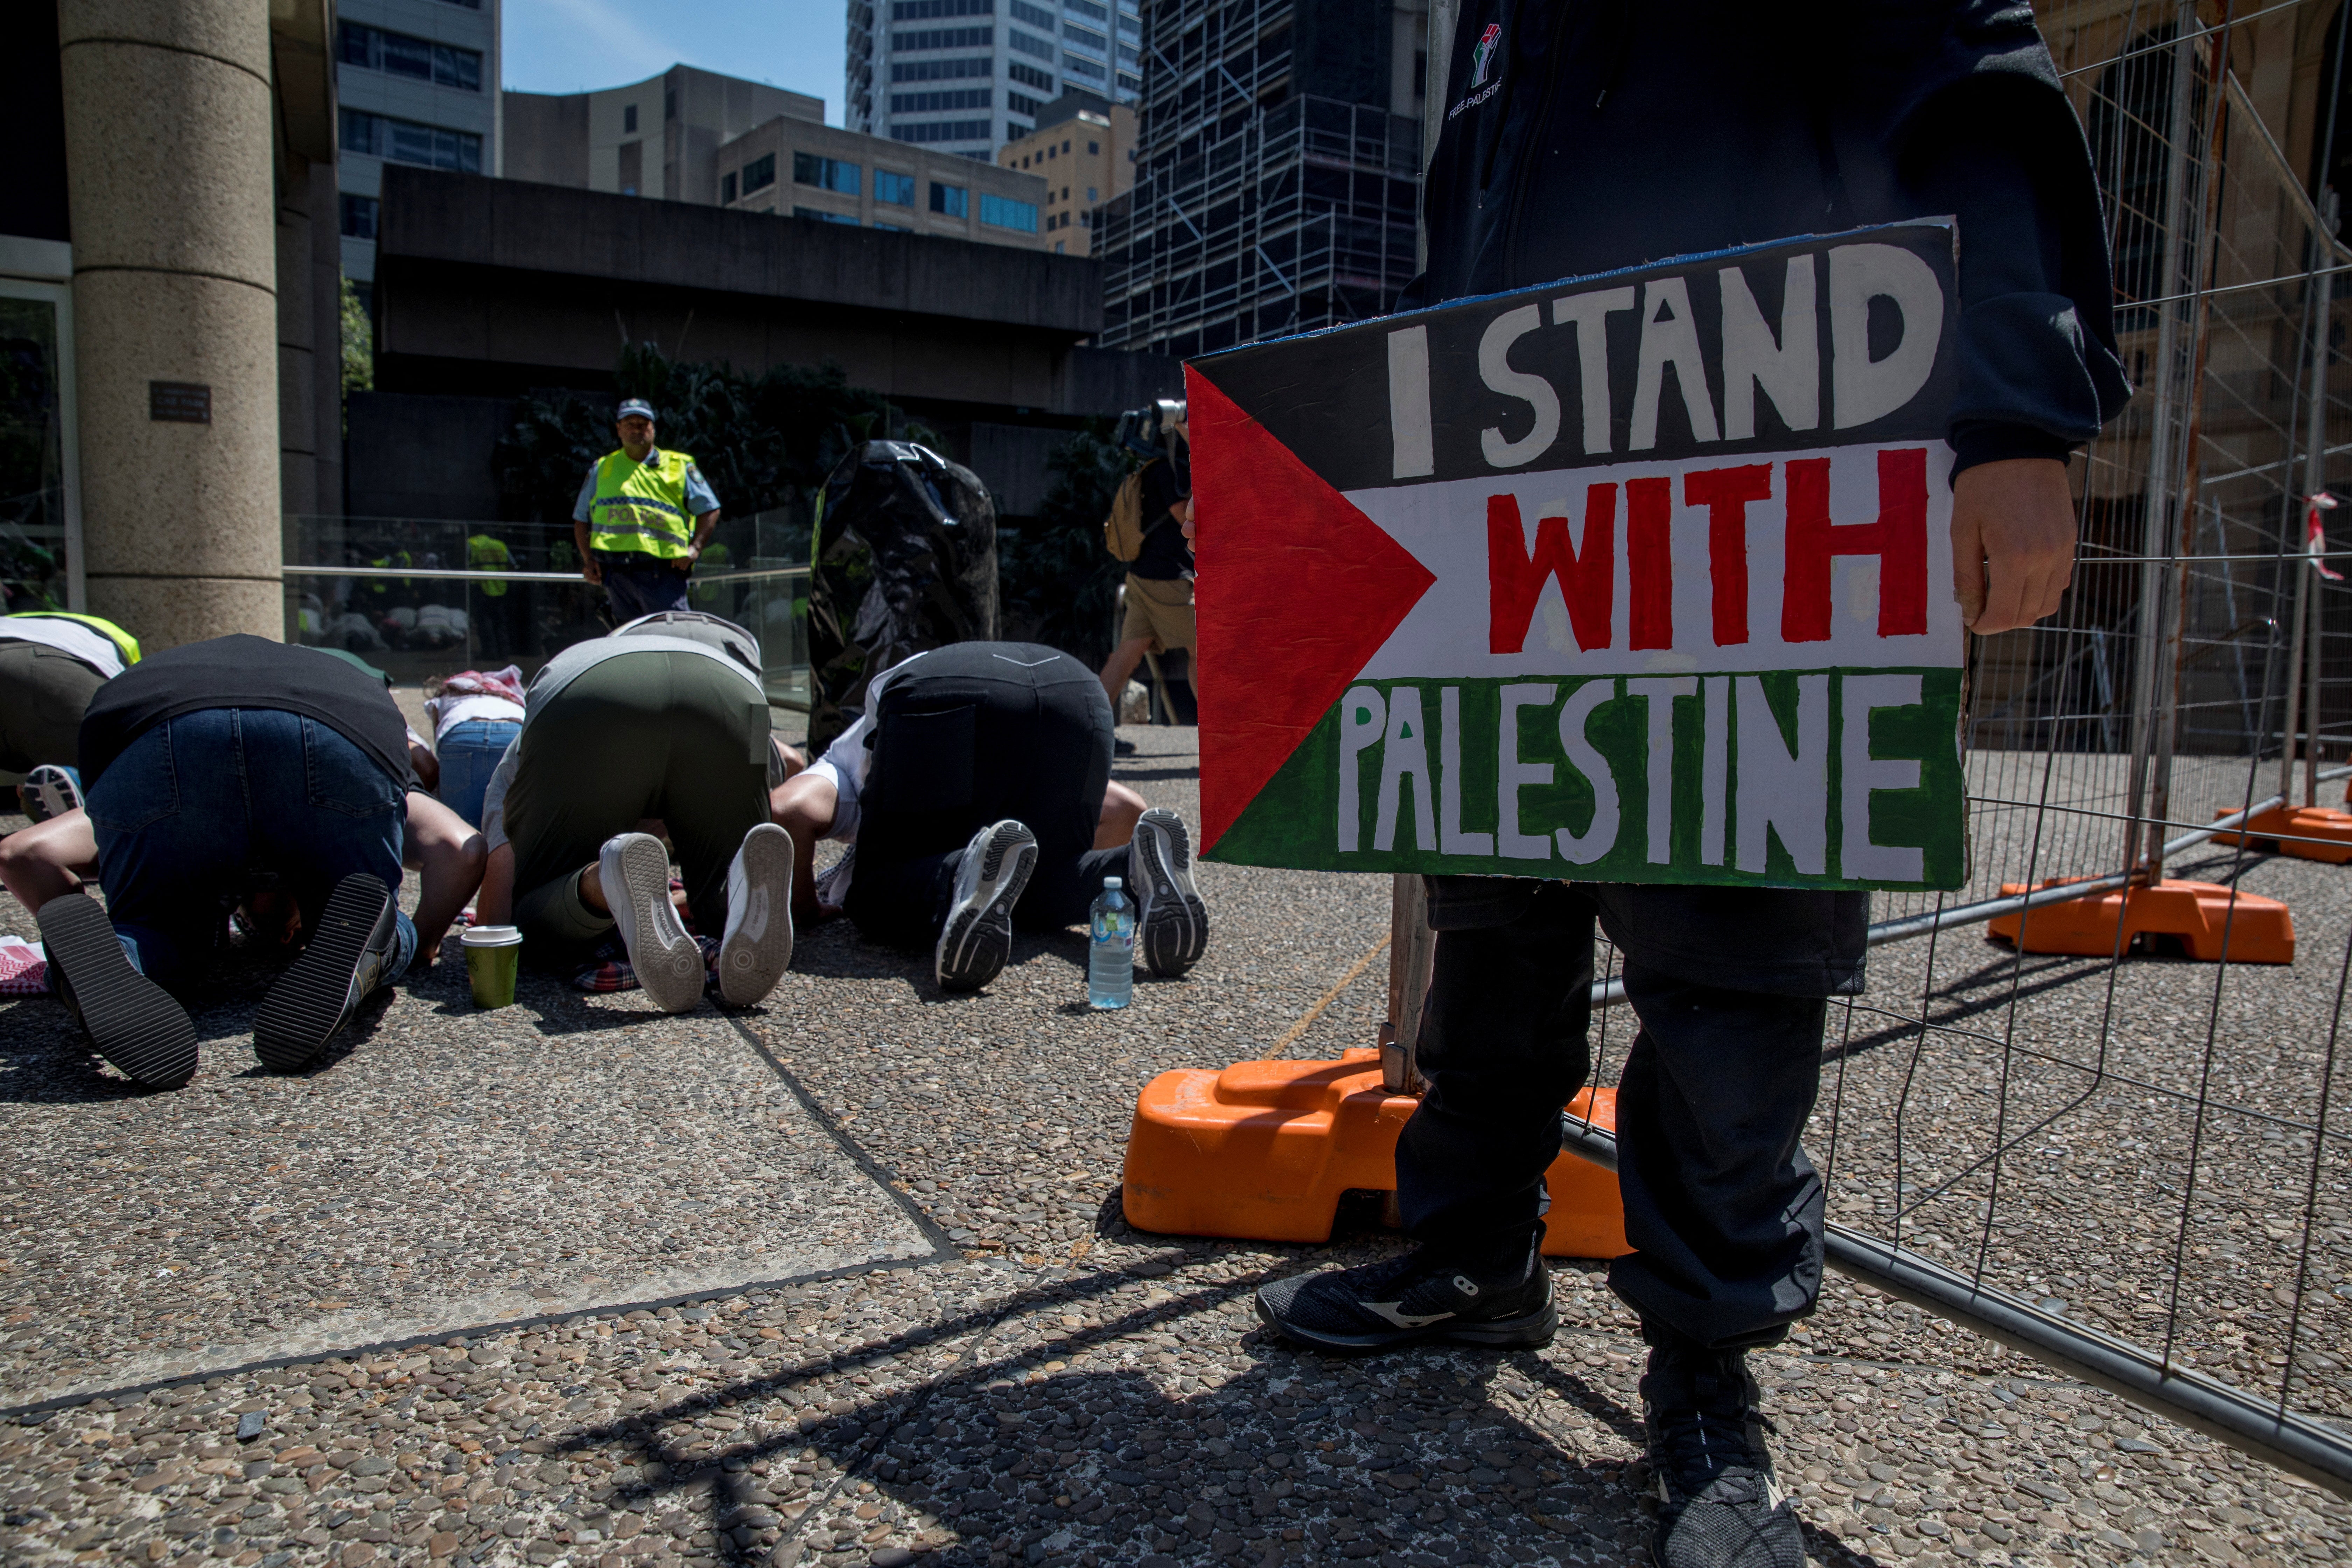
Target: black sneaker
x: 1172, y: 923
x: 345, y: 959
x: 134, y: 1022
x: 1417, y: 1296
x: 1718, y: 1504
x: 977, y: 940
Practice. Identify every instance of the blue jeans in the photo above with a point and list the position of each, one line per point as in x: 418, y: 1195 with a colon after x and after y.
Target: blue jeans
x: 197, y: 809
x: 638, y: 585
x: 470, y: 755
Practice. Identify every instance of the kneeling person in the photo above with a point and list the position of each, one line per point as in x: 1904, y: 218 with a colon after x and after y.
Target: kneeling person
x: 666, y: 720
x: 976, y: 791
x: 213, y: 769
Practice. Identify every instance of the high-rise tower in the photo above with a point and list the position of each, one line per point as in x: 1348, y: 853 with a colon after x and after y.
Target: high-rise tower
x: 1277, y: 172
x: 968, y: 76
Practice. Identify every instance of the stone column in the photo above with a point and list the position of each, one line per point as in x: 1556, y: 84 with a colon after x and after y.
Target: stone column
x: 169, y: 170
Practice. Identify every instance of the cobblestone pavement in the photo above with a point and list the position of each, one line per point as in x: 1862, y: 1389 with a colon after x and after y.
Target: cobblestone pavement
x: 1019, y: 1378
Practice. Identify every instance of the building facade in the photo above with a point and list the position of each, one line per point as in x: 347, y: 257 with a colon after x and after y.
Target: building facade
x: 1278, y: 174
x: 168, y: 308
x: 964, y: 77
x: 793, y: 168
x: 659, y: 137
x: 1083, y: 149
x: 416, y: 82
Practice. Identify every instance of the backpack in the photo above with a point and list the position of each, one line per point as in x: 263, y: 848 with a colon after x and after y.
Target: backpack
x: 1124, y: 529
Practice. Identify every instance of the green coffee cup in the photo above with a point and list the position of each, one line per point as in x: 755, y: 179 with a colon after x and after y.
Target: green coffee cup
x: 493, y: 953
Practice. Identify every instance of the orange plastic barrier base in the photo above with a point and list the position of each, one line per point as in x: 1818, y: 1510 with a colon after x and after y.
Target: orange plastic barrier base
x: 1263, y: 1150
x: 2260, y: 931
x: 2307, y: 822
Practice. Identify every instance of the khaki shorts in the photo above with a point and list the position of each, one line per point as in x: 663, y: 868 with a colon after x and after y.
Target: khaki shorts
x: 1161, y: 609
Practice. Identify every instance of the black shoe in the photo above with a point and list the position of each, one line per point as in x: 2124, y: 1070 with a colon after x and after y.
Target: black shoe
x: 1172, y: 923
x: 1719, y: 1506
x: 346, y: 958
x: 1417, y: 1296
x: 134, y: 1022
x: 1122, y: 748
x: 977, y: 940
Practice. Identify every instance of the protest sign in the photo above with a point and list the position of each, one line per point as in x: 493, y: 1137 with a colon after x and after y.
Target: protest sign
x: 1643, y: 577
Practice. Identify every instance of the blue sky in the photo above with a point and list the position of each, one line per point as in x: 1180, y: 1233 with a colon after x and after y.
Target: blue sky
x: 566, y: 45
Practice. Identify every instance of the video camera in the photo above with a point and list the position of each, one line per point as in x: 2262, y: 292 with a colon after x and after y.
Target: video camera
x: 1151, y: 431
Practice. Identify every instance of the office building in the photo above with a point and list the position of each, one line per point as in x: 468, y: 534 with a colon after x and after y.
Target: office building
x: 797, y: 169
x: 168, y: 305
x: 416, y: 82
x: 659, y: 137
x: 1277, y: 172
x: 1083, y: 149
x: 967, y: 76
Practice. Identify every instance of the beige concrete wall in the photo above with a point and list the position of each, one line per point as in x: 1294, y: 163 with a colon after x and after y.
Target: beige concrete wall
x: 169, y: 170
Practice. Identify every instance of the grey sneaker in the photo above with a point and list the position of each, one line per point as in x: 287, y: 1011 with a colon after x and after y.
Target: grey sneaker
x: 1719, y: 1505
x: 635, y: 871
x: 1172, y: 922
x: 757, y: 946
x: 977, y: 939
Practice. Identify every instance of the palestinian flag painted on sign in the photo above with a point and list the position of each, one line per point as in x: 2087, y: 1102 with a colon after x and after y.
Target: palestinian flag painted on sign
x: 1641, y: 577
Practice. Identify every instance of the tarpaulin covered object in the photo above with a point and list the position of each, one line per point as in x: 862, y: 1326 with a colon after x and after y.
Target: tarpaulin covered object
x: 904, y: 560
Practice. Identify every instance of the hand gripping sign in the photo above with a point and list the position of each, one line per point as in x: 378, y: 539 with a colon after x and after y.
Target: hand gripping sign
x: 1643, y: 577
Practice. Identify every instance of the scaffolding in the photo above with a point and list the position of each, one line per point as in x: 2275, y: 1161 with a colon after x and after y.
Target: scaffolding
x: 1259, y: 208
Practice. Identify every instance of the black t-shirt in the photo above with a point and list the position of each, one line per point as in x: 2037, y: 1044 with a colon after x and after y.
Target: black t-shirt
x: 244, y: 673
x: 1165, y: 553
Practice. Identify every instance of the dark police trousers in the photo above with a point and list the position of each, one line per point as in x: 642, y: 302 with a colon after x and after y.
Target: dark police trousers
x: 1729, y: 986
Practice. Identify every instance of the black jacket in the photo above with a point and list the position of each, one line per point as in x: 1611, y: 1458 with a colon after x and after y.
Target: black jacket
x: 1585, y: 135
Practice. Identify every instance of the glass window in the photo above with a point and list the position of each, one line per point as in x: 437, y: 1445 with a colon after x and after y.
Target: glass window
x: 1029, y: 43
x: 825, y: 173
x: 924, y: 10
x: 1003, y: 212
x: 727, y: 187
x: 893, y: 187
x: 1079, y: 65
x: 944, y: 130
x: 670, y: 103
x: 1043, y: 20
x: 1094, y: 149
x: 825, y: 216
x: 397, y: 54
x: 1089, y: 9
x: 628, y: 117
x: 1085, y: 37
x: 36, y: 459
x: 1090, y: 194
x: 1029, y: 75
x: 359, y: 215
x: 955, y: 201
x: 406, y: 142
x: 933, y: 102
x: 760, y: 174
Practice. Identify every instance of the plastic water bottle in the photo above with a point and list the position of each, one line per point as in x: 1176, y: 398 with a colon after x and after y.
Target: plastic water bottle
x: 1110, y: 948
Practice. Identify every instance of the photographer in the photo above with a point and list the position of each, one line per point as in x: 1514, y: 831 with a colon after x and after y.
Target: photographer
x: 1149, y: 528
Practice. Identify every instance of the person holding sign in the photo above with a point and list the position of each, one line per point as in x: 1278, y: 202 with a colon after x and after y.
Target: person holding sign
x: 1664, y: 575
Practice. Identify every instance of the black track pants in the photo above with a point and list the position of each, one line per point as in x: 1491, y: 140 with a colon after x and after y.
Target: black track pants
x: 1722, y: 1205
x: 974, y: 735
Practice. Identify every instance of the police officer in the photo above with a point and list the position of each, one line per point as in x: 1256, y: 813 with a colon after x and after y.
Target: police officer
x: 642, y: 520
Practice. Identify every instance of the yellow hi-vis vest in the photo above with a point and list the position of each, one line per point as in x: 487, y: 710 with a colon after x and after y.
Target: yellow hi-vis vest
x: 483, y: 551
x: 642, y: 506
x: 124, y: 643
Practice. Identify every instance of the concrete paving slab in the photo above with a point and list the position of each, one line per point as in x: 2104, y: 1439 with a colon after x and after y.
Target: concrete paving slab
x: 445, y: 1168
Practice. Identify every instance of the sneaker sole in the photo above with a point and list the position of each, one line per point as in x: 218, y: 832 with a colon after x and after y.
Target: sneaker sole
x: 312, y: 999
x: 749, y: 967
x: 668, y: 963
x: 1174, y: 932
x: 1531, y: 1331
x: 978, y: 941
x: 134, y: 1022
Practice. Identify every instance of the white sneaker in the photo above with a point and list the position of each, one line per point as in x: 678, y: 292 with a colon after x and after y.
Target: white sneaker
x: 977, y: 939
x: 758, y: 946
x: 635, y: 871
